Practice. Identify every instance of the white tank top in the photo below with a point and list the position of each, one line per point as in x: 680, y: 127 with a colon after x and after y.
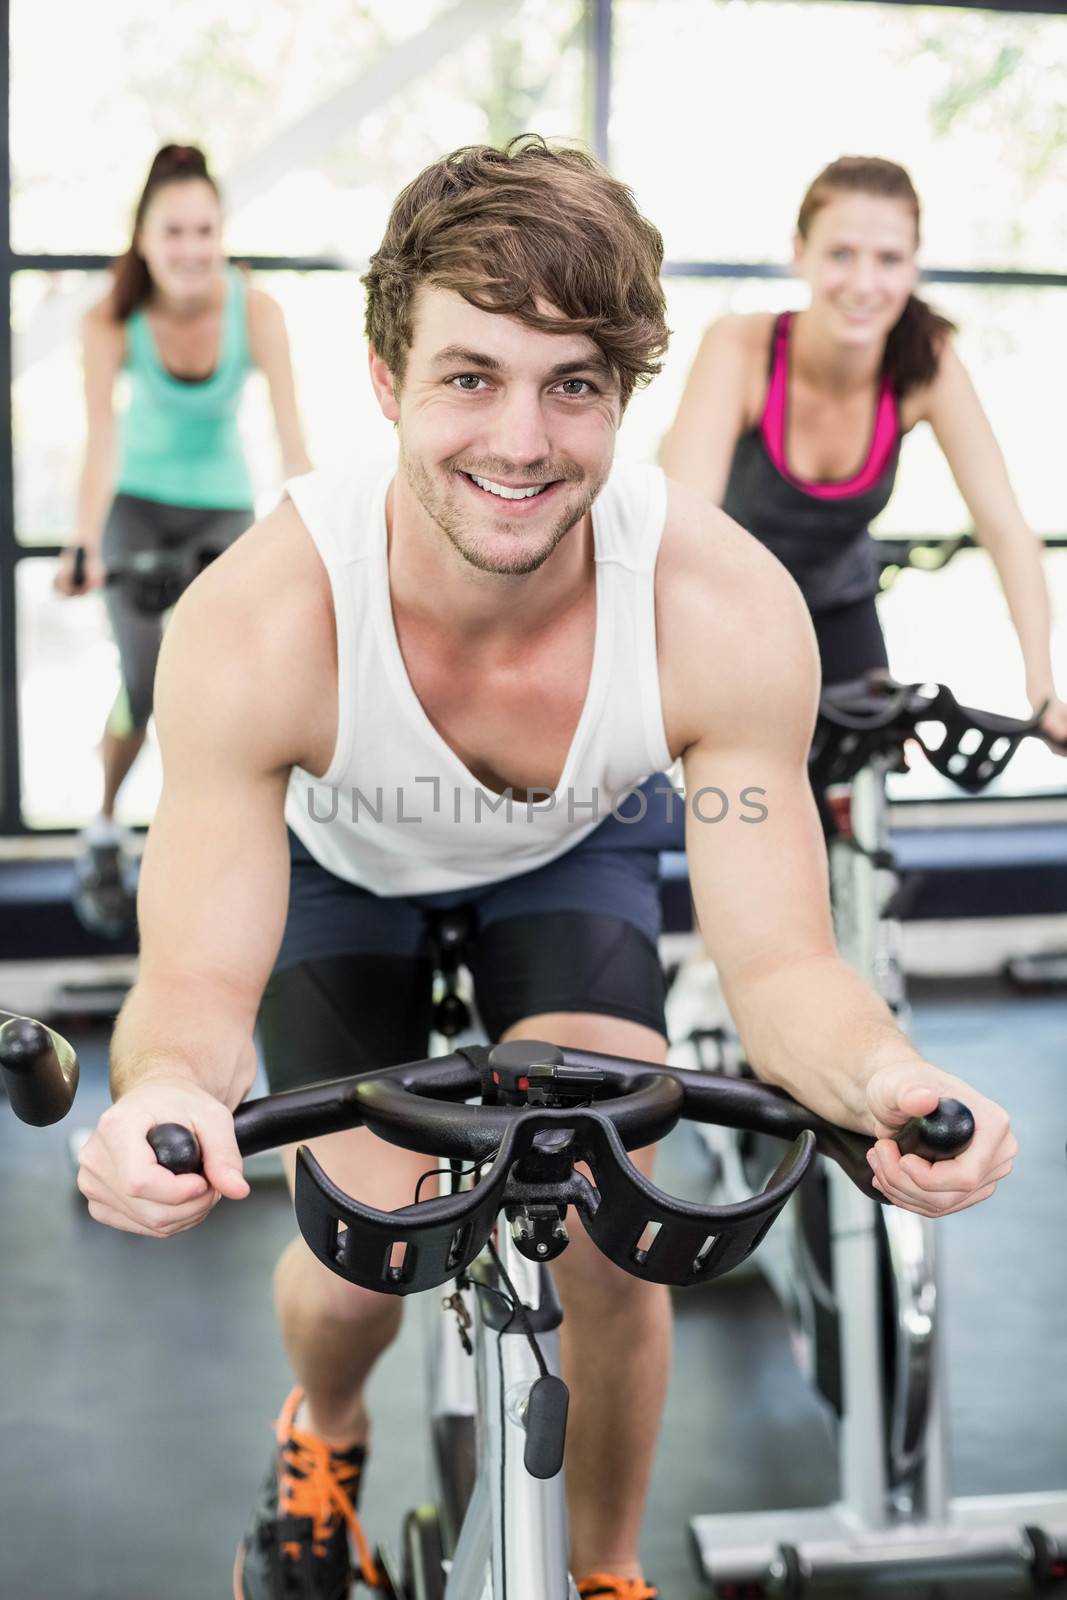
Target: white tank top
x: 397, y: 812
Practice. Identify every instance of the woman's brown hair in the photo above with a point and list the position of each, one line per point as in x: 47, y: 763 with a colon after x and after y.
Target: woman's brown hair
x: 527, y: 231
x: 173, y: 163
x: 913, y: 349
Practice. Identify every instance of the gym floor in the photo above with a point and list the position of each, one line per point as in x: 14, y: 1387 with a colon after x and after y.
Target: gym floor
x: 140, y: 1379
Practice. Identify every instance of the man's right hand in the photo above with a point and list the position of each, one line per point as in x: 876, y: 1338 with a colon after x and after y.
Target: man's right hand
x: 124, y: 1183
x: 93, y: 574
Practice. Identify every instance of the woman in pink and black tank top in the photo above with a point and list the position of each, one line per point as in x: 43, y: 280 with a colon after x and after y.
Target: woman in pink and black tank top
x: 793, y: 423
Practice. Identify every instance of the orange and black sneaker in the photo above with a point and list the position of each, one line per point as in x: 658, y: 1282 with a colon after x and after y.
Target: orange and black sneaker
x: 305, y: 1542
x: 606, y: 1586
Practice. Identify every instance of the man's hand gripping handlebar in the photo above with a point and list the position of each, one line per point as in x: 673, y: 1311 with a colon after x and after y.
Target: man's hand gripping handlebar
x: 541, y: 1111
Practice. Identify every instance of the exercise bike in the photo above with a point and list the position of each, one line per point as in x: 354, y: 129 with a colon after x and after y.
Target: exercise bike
x: 156, y: 578
x: 105, y: 892
x: 859, y: 1283
x: 513, y: 1122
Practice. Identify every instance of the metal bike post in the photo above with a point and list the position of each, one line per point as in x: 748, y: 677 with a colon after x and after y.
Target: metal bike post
x: 513, y: 1545
x: 908, y: 1477
x: 854, y: 1220
x: 855, y: 865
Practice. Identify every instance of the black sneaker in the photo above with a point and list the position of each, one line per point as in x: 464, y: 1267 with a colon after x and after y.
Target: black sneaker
x: 104, y: 900
x: 298, y: 1547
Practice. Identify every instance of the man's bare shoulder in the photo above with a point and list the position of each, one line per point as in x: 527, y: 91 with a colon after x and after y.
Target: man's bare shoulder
x: 276, y: 554
x: 709, y: 565
x: 734, y: 634
x: 252, y: 645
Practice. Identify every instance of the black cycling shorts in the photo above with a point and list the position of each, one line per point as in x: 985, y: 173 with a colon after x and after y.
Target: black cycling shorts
x: 352, y: 989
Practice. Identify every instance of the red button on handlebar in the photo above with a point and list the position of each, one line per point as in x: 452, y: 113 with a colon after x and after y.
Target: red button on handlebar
x: 839, y: 800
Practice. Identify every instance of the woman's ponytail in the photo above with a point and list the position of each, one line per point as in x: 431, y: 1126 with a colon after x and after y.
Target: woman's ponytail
x: 913, y: 349
x: 132, y: 281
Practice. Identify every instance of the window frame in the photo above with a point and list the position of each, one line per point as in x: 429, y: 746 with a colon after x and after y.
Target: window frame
x: 599, y: 18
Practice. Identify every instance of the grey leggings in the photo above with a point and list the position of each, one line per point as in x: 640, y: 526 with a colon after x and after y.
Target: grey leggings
x: 136, y: 525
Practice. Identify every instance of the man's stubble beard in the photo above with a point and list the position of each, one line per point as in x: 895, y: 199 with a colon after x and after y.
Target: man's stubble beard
x: 450, y: 519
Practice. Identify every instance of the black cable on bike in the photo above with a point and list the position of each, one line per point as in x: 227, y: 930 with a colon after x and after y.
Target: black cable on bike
x: 519, y: 1311
x: 442, y: 1172
x: 456, y: 1170
x: 503, y: 1444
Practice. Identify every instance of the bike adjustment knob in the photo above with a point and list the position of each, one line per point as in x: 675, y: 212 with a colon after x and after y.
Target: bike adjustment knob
x: 546, y: 1427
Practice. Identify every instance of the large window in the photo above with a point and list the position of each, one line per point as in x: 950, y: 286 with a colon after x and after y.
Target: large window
x: 724, y: 112
x: 314, y: 118
x: 721, y: 113
x: 313, y: 115
x: 971, y: 103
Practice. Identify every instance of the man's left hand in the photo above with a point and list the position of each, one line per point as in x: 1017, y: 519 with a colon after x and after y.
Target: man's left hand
x: 895, y: 1095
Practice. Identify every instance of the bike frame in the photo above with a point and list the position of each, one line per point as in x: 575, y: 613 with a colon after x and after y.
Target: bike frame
x: 903, y: 1474
x: 512, y: 1542
x: 894, y: 1515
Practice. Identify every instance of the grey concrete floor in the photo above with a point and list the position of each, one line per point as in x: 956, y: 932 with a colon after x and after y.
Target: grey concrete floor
x: 140, y: 1378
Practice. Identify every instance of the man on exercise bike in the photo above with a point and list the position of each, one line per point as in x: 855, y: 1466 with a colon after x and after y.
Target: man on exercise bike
x: 444, y: 681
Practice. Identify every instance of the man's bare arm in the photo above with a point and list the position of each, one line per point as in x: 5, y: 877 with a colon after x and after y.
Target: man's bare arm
x: 241, y: 697
x: 211, y: 909
x: 809, y: 1022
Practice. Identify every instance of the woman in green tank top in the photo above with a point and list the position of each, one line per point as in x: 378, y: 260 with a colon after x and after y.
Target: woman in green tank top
x: 167, y: 472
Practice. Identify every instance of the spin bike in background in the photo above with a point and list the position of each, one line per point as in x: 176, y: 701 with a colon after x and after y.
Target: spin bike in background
x: 513, y: 1122
x: 156, y: 578
x: 858, y: 1282
x: 106, y: 882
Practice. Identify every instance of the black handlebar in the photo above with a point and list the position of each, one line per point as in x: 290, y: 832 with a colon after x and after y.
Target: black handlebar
x: 39, y: 1068
x: 876, y: 715
x: 542, y: 1111
x: 156, y: 579
x: 310, y: 1113
x: 932, y: 553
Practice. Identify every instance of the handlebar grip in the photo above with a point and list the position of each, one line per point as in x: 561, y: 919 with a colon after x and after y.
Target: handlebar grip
x: 943, y: 1134
x: 39, y: 1069
x: 176, y: 1148
x: 78, y: 569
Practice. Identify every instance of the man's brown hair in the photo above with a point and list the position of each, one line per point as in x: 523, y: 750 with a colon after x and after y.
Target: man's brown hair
x: 514, y: 228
